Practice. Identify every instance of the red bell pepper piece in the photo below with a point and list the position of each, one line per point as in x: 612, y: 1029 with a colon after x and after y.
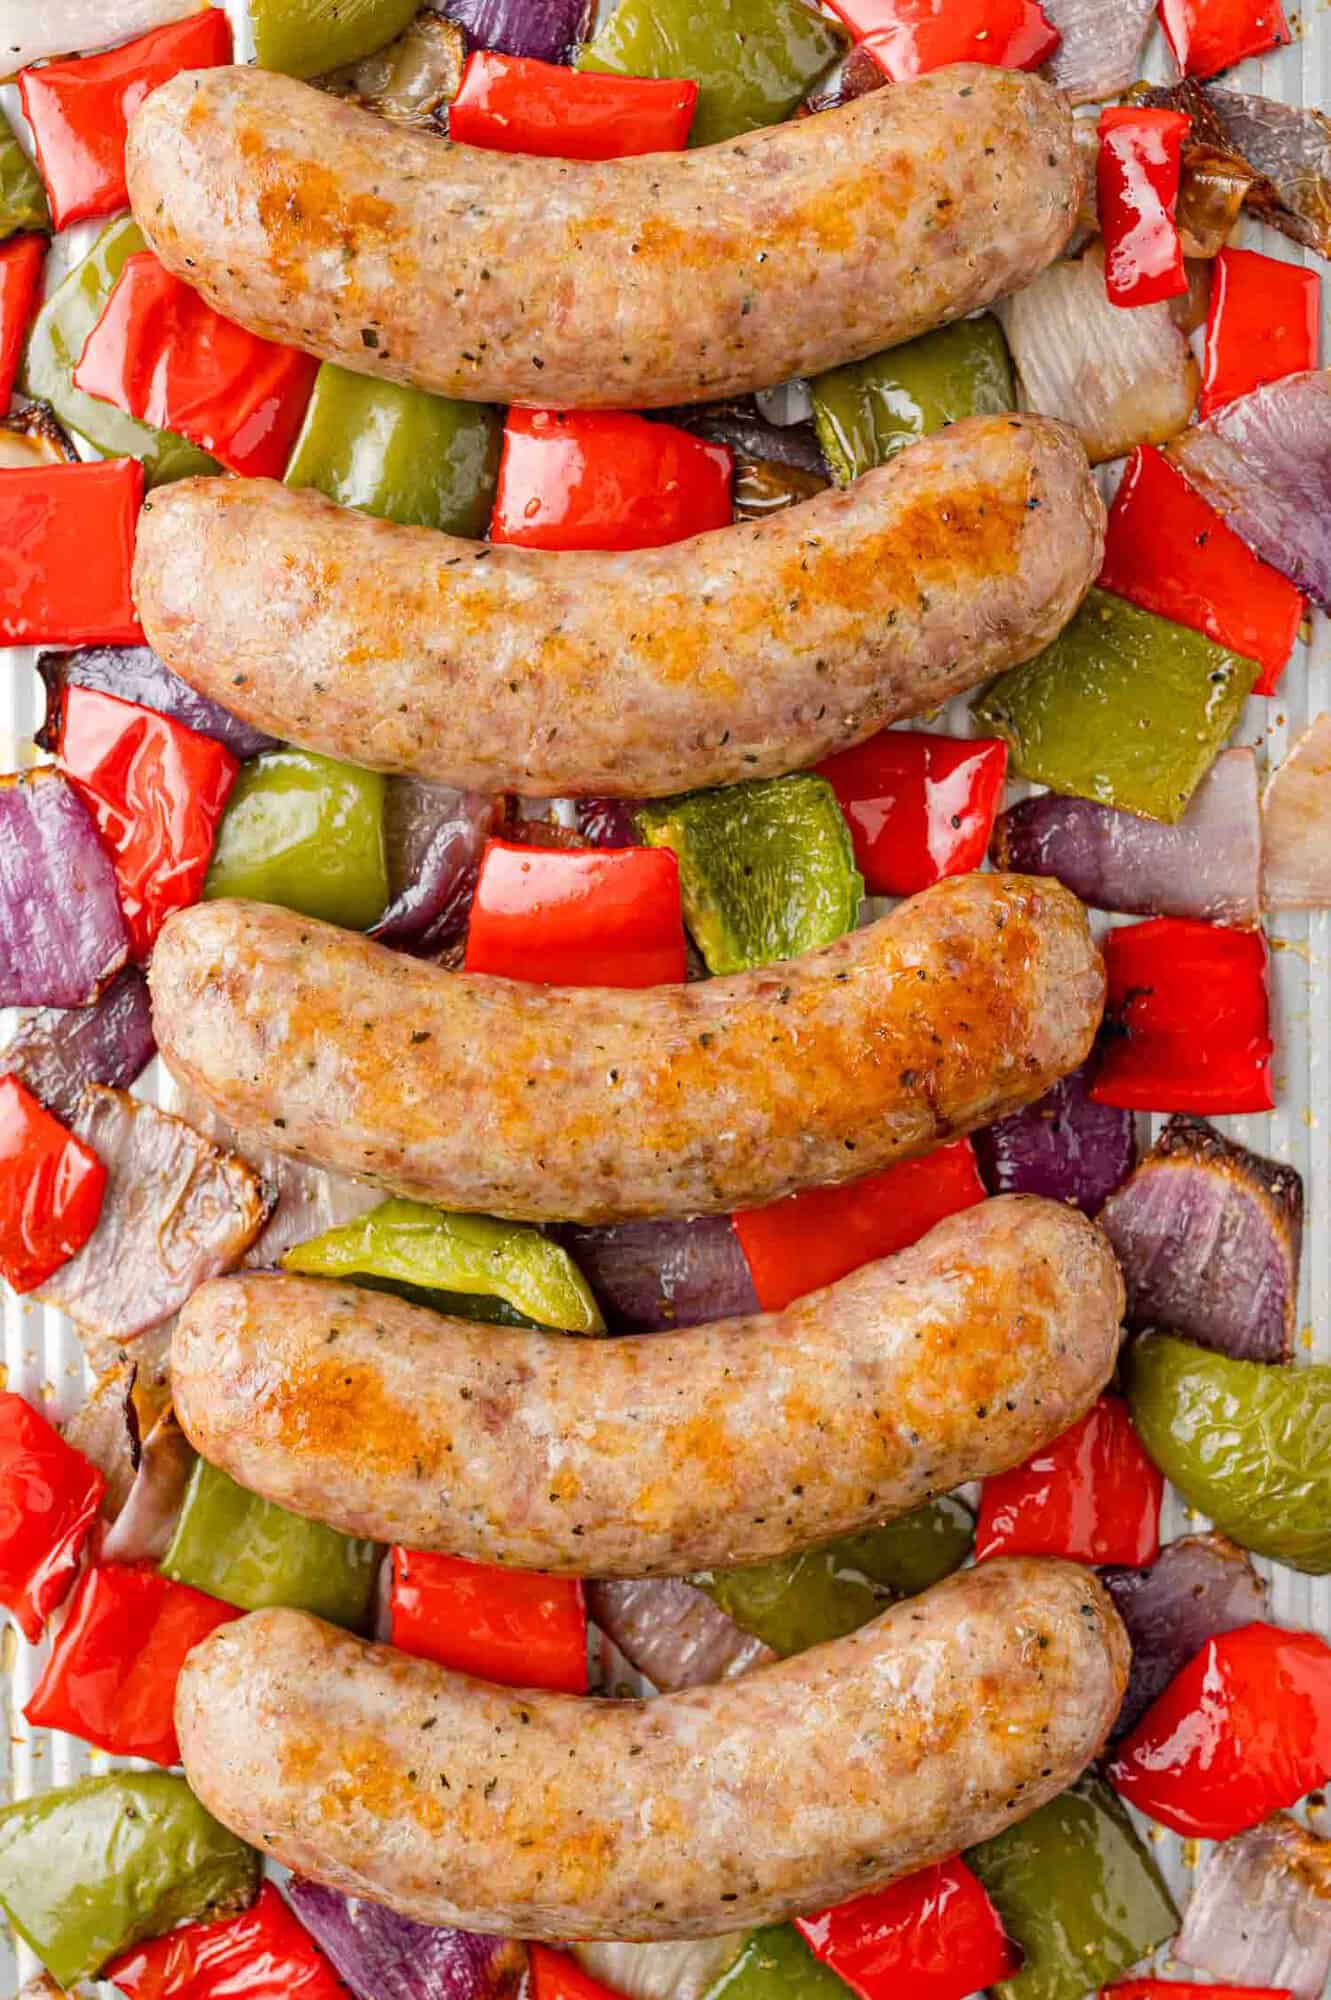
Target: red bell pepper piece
x: 66, y: 554
x: 51, y: 1188
x: 161, y: 353
x: 80, y: 110
x: 934, y: 1935
x: 919, y: 807
x: 507, y: 1625
x: 1092, y: 1495
x: 1242, y: 1731
x: 21, y: 261
x: 1188, y: 1019
x: 515, y: 104
x: 605, y: 479
x: 565, y: 916
x: 806, y: 1240
x: 1261, y: 324
x: 1168, y: 551
x: 263, y: 1954
x: 156, y: 789
x: 1175, y: 1989
x: 556, y: 1975
x: 111, y: 1678
x: 909, y: 37
x: 1211, y: 35
x: 1137, y: 177
x: 49, y: 1496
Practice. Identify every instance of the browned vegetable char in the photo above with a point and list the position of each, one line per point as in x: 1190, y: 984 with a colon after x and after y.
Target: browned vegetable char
x: 746, y: 1802
x: 637, y: 283
x: 594, y: 1104
x: 743, y: 653
x: 658, y: 1453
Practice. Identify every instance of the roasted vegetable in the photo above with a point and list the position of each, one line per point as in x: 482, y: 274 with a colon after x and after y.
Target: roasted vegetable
x: 869, y: 410
x: 307, y: 832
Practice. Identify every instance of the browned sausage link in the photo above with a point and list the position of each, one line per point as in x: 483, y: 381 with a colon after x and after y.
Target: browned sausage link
x: 746, y: 1802
x: 659, y: 1454
x: 743, y: 653
x: 594, y: 1105
x: 621, y: 283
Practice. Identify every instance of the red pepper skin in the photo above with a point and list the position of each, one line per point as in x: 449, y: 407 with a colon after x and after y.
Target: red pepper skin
x: 1137, y: 177
x: 51, y: 1188
x: 157, y: 790
x: 161, y: 353
x: 565, y: 916
x: 934, y: 1935
x: 49, y: 1496
x: 556, y: 1975
x: 263, y: 1954
x: 807, y: 1240
x: 67, y: 552
x: 1092, y: 1495
x: 1168, y: 551
x: 1175, y: 1989
x: 605, y: 479
x: 514, y: 104
x: 80, y: 110
x: 919, y: 807
x: 1211, y: 35
x: 507, y: 1625
x: 1242, y: 1731
x: 908, y: 38
x: 1261, y: 324
x: 21, y: 261
x: 111, y: 1678
x: 1189, y: 1019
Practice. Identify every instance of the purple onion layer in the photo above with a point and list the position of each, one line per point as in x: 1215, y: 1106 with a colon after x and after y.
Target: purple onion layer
x: 1064, y: 1146
x: 134, y: 673
x: 650, y: 1276
x: 57, y: 1052
x: 549, y: 30
x: 383, y: 1956
x: 62, y: 933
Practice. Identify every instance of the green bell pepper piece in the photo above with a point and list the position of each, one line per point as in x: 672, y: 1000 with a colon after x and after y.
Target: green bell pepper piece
x: 306, y: 37
x: 869, y: 410
x: 458, y: 1256
x: 22, y: 196
x: 1078, y: 1891
x: 252, y: 1554
x: 753, y: 60
x: 1123, y: 707
x: 1246, y: 1443
x: 800, y: 1600
x: 424, y: 461
x: 307, y: 832
x: 776, y: 1964
x: 87, y: 1871
x: 766, y: 869
x: 55, y: 344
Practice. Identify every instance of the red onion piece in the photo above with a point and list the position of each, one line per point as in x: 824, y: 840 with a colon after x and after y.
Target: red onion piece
x: 147, y: 1519
x: 61, y: 1050
x: 105, y: 1428
x: 672, y: 1632
x: 1289, y: 146
x: 383, y: 1956
x: 854, y: 76
x: 1207, y: 865
x: 1296, y: 824
x: 678, y: 1969
x: 749, y: 435
x: 607, y: 822
x: 62, y: 933
x: 1264, y: 463
x: 1064, y: 1146
x: 550, y: 30
x: 1260, y: 1913
x: 1196, y: 1589
x: 1101, y: 46
x: 1208, y: 1235
x: 435, y: 836
x: 650, y: 1276
x: 135, y: 673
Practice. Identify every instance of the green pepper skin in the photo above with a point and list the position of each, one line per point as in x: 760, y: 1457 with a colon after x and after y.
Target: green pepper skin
x: 433, y: 1251
x: 253, y: 1554
x: 776, y: 1964
x: 866, y: 412
x: 824, y: 1593
x: 306, y: 832
x: 766, y: 869
x: 1078, y: 1891
x: 306, y: 37
x: 55, y: 344
x: 22, y: 196
x: 423, y: 461
x: 1123, y: 707
x: 87, y: 1871
x: 1247, y: 1444
x: 753, y: 60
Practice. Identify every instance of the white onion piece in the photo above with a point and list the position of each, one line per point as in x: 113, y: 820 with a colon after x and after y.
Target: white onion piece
x: 1296, y: 824
x: 1101, y: 46
x: 789, y: 403
x: 1260, y: 1913
x: 682, y: 1970
x: 33, y: 29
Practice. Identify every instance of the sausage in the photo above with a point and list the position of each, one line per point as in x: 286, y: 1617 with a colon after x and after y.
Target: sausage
x: 638, y: 283
x: 664, y: 1453
x: 593, y: 1104
x: 743, y: 653
x: 551, y: 1816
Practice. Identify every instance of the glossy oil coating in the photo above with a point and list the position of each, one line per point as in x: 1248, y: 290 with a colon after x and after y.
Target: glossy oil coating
x: 637, y: 283
x: 658, y: 1453
x: 743, y: 653
x: 746, y: 1802
x: 589, y: 1104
